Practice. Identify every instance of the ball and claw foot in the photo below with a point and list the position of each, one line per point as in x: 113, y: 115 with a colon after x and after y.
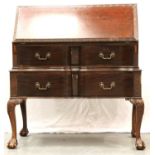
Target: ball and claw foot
x: 140, y: 144
x: 24, y: 132
x: 12, y: 143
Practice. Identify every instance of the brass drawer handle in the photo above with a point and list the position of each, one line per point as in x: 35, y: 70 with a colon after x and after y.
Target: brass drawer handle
x: 112, y: 85
x: 101, y: 55
x: 37, y: 85
x: 47, y: 56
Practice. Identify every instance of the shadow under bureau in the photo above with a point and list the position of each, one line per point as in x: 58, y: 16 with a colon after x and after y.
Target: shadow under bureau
x: 76, y: 51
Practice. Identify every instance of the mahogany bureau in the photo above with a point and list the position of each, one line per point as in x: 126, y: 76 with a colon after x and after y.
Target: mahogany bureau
x: 76, y: 51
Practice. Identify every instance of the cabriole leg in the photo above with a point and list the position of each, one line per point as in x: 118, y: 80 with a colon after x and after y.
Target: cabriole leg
x: 137, y: 115
x: 133, y: 131
x: 11, y: 112
x: 24, y: 131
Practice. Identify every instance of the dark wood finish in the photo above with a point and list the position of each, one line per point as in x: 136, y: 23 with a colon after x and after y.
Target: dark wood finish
x: 84, y: 54
x: 11, y: 112
x: 133, y: 131
x: 89, y: 84
x: 59, y: 82
x: 75, y: 81
x: 24, y: 131
x: 112, y: 54
x: 138, y: 110
x: 76, y: 51
x: 82, y: 83
x: 40, y: 55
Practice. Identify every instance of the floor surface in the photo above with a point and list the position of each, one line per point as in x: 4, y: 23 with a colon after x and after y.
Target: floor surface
x: 78, y: 144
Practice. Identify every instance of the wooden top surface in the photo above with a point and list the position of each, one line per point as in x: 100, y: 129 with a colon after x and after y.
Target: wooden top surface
x: 76, y: 23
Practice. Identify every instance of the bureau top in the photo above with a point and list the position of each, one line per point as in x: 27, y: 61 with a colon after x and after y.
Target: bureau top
x: 76, y: 23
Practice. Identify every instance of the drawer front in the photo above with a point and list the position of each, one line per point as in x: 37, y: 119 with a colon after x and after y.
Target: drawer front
x: 40, y: 55
x: 109, y: 55
x: 41, y: 84
x: 109, y: 84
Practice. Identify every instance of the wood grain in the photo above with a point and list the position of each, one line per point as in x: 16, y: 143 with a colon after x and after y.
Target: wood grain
x: 105, y: 22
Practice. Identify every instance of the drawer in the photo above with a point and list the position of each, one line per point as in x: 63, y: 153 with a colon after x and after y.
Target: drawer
x: 109, y: 84
x: 40, y: 83
x: 40, y: 55
x: 109, y: 55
